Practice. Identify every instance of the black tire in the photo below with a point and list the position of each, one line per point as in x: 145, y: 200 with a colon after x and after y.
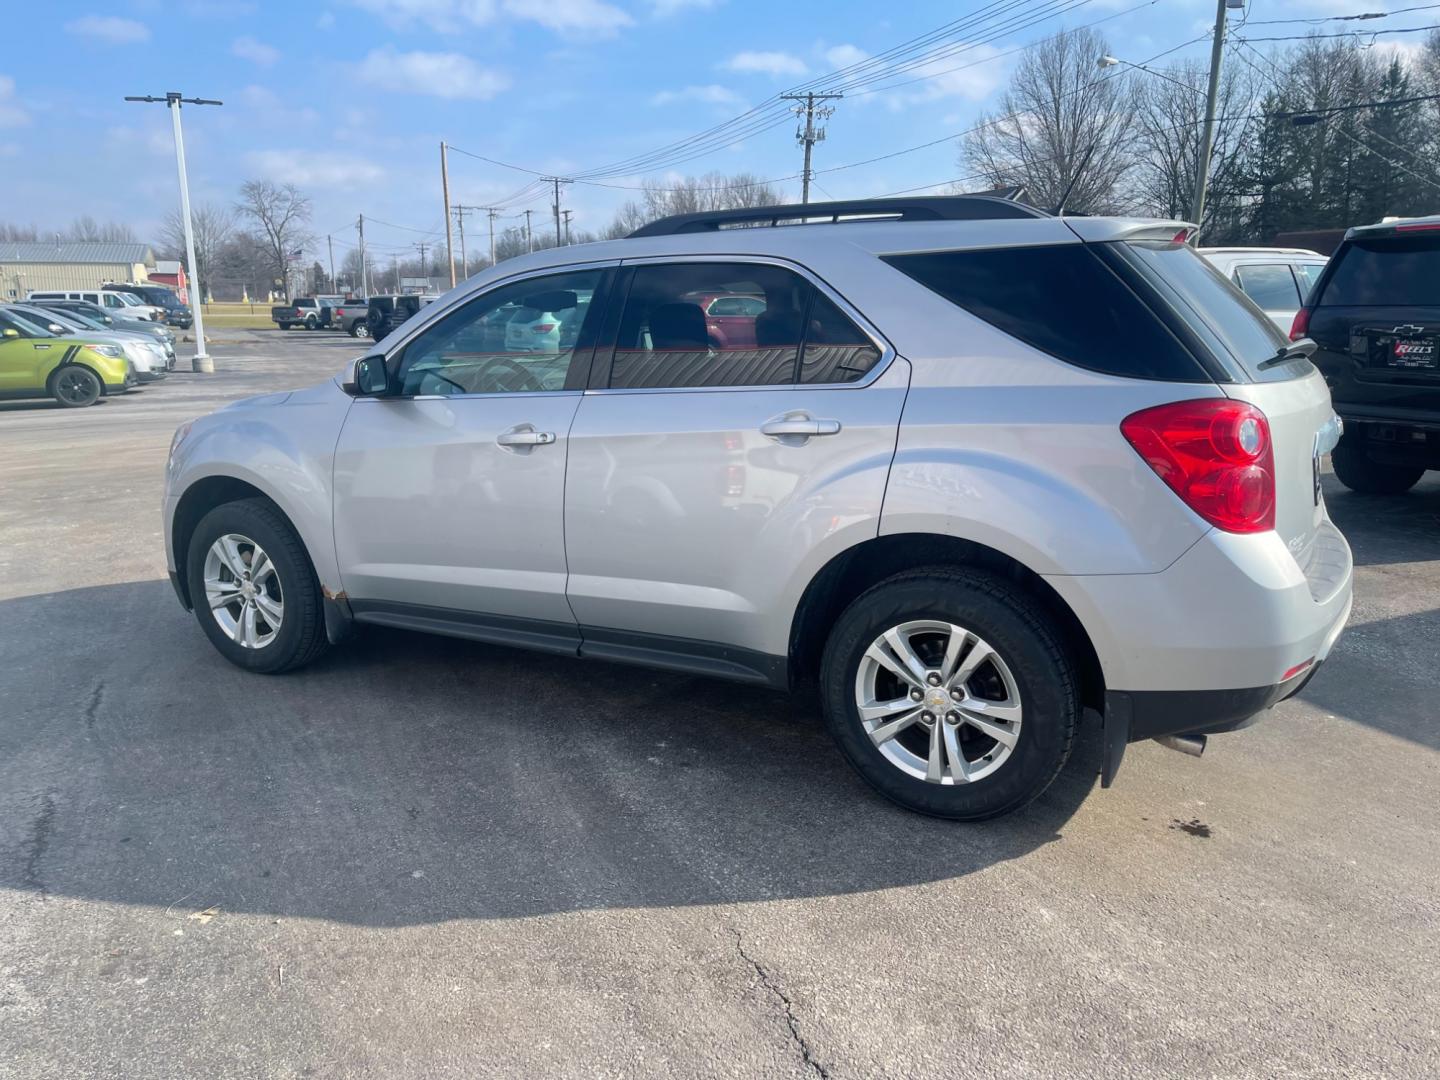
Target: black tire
x: 74, y: 386
x: 355, y: 328
x: 301, y: 636
x: 284, y: 326
x: 310, y: 322
x: 1023, y: 635
x: 1359, y: 473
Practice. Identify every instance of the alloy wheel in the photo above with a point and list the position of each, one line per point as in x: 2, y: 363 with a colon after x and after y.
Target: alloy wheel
x: 242, y: 589
x: 938, y: 702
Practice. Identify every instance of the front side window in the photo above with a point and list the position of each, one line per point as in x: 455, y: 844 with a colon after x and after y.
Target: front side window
x: 519, y: 338
x: 732, y: 324
x: 1271, y: 285
x: 26, y: 328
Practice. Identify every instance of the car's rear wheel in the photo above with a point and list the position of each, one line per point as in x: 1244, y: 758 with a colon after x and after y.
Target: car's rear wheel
x: 75, y: 387
x: 309, y: 322
x: 253, y: 588
x: 950, y: 693
x: 355, y: 328
x: 1358, y: 472
x: 284, y: 326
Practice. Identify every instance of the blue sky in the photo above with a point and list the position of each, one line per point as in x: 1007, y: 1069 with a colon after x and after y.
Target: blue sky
x: 351, y: 98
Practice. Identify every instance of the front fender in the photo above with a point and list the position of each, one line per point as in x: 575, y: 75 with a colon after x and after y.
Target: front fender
x: 284, y: 450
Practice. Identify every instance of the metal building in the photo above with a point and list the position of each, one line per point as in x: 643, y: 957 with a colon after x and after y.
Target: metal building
x: 28, y: 265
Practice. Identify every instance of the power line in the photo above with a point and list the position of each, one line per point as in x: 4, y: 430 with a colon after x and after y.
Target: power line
x: 1345, y: 18
x: 1346, y: 33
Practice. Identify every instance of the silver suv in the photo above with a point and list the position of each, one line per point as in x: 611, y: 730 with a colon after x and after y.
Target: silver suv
x: 971, y: 467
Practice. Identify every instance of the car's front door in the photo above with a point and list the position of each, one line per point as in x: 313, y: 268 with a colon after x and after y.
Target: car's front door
x: 449, y: 491
x: 705, y: 480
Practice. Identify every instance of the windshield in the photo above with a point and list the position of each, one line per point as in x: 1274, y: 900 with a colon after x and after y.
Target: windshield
x: 1400, y: 271
x: 1212, y: 308
x: 129, y: 299
x: 13, y: 320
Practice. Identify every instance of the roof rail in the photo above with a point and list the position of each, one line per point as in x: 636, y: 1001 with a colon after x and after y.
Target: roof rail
x: 984, y: 207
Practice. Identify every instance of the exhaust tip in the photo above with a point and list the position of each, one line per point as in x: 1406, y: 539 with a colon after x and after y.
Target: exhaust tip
x: 1194, y: 745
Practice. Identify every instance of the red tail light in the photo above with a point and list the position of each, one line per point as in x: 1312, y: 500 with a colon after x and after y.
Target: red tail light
x: 1301, y: 326
x: 542, y: 328
x: 1215, y: 454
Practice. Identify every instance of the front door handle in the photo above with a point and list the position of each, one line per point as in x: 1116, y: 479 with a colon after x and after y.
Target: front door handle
x: 799, y: 425
x: 523, y: 436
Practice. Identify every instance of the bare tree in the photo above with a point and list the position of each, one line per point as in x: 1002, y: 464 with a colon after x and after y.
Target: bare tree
x: 1058, y: 106
x: 280, y: 213
x: 1169, y: 117
x: 86, y: 228
x: 692, y: 194
x: 13, y: 232
x: 213, y: 226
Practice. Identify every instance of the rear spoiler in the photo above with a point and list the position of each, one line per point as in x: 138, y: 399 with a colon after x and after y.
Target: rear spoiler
x: 1100, y: 230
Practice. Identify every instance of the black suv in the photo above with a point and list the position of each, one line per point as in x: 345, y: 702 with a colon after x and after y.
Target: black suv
x: 1375, y: 314
x: 176, y: 313
x: 388, y: 312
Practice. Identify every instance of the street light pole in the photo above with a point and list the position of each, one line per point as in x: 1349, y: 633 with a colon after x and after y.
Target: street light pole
x: 172, y: 100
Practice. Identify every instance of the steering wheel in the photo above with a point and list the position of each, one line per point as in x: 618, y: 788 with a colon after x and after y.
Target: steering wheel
x: 516, y: 375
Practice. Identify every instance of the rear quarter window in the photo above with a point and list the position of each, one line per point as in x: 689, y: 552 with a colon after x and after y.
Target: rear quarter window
x: 1400, y: 271
x: 1062, y: 299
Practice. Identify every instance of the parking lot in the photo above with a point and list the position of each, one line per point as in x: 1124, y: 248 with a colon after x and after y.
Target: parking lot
x: 427, y: 857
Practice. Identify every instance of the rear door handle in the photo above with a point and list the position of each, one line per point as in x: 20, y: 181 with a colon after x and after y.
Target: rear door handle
x: 799, y: 425
x: 523, y: 435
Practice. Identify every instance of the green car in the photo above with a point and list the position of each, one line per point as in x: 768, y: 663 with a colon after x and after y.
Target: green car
x: 36, y: 363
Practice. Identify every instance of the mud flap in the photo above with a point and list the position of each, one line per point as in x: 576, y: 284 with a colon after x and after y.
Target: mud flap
x: 1115, y: 734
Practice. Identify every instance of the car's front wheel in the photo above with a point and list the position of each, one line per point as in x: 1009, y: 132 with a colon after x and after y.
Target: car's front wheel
x: 1359, y: 473
x: 951, y: 693
x: 75, y: 387
x: 253, y: 588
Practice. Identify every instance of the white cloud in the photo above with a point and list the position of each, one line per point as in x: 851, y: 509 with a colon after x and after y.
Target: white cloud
x: 11, y: 114
x: 310, y: 168
x: 592, y: 17
x: 110, y: 29
x: 257, y: 52
x: 665, y: 8
x: 571, y: 16
x: 260, y: 97
x: 443, y: 75
x: 326, y: 20
x: 766, y: 63
x: 974, y: 80
x: 842, y: 56
x: 712, y: 94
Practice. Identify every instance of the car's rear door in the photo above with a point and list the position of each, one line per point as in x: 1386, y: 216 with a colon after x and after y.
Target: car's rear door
x: 705, y: 481
x: 1376, y: 318
x: 449, y: 493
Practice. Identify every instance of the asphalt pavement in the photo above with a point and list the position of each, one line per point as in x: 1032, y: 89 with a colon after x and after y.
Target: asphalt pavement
x: 432, y: 858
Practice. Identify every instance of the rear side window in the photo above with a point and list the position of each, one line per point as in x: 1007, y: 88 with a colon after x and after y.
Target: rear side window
x: 1309, y: 275
x: 1063, y: 300
x: 1271, y: 285
x: 1402, y: 271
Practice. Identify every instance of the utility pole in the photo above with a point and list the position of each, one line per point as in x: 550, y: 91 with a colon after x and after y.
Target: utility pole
x: 1207, y: 138
x: 172, y: 100
x: 555, y: 206
x: 529, y: 242
x: 567, y: 214
x: 464, y: 259
x: 329, y: 243
x: 809, y: 135
x: 493, y: 213
x: 364, y: 266
x: 424, y: 266
x: 445, y: 191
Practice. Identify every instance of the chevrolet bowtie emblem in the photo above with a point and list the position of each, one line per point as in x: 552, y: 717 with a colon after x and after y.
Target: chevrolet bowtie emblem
x: 1408, y: 328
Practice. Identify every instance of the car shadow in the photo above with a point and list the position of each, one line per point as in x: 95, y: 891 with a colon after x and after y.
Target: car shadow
x: 1384, y: 529
x: 408, y: 779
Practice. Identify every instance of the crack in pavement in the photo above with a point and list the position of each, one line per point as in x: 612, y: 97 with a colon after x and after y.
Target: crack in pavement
x: 791, y: 1021
x: 96, y: 697
x: 39, y: 840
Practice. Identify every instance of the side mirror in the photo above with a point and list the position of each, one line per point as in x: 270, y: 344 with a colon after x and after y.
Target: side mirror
x: 9, y: 334
x: 368, y: 377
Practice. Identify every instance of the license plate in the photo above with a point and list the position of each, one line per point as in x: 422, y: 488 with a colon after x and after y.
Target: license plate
x: 1414, y: 353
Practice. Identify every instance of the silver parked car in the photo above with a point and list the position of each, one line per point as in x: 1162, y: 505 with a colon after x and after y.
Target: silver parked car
x: 148, y: 356
x: 1277, y: 279
x: 972, y: 468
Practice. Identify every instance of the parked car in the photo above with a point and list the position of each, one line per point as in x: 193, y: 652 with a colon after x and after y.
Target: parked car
x: 304, y: 311
x: 984, y: 467
x: 1375, y: 315
x: 112, y: 300
x: 388, y: 312
x: 730, y: 317
x: 95, y: 318
x: 35, y: 363
x: 548, y: 330
x: 144, y: 353
x: 1276, y: 279
x: 350, y: 316
x: 176, y: 313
